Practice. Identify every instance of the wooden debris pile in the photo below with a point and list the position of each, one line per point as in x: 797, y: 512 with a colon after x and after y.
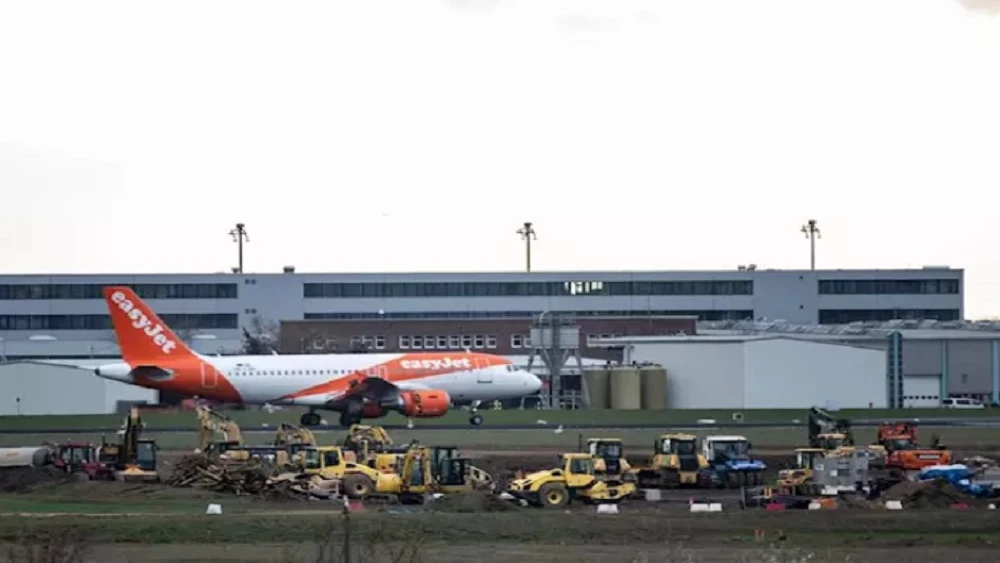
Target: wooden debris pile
x: 257, y: 478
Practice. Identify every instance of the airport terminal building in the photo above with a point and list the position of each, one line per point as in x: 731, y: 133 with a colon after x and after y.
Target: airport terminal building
x: 64, y: 316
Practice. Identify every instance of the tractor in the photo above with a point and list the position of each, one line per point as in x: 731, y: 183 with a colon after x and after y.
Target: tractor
x: 730, y: 461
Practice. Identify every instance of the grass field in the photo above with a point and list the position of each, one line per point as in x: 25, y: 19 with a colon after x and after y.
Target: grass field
x: 605, y: 418
x: 544, y: 438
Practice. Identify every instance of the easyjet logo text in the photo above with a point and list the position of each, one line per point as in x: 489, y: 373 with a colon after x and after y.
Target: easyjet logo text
x: 142, y: 323
x: 437, y: 364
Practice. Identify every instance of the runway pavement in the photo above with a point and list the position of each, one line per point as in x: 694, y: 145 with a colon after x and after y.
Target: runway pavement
x: 978, y: 422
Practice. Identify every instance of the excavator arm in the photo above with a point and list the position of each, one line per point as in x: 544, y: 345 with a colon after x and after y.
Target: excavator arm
x: 822, y: 422
x: 212, y: 423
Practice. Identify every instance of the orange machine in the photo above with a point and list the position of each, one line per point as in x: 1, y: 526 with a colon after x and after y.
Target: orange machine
x: 900, y: 442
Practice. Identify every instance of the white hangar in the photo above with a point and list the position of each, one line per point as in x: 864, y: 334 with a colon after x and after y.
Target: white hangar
x: 762, y: 372
x: 46, y: 387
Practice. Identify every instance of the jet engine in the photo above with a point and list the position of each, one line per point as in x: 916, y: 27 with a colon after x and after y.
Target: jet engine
x: 423, y: 404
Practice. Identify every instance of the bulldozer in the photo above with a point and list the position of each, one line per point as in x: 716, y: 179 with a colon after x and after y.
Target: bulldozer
x: 573, y: 480
x: 132, y: 458
x: 904, y: 454
x: 423, y: 470
x: 331, y: 462
x: 609, y: 459
x: 676, y: 462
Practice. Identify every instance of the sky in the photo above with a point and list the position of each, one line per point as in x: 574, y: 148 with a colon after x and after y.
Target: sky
x: 402, y: 135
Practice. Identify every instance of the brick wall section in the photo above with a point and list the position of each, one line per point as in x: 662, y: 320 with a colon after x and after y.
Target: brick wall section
x: 333, y: 336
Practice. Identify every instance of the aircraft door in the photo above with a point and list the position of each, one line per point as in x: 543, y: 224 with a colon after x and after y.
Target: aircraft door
x: 209, y: 376
x: 484, y: 373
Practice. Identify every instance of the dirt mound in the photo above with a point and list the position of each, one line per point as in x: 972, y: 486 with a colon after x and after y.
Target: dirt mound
x: 23, y: 479
x: 471, y: 502
x: 937, y: 493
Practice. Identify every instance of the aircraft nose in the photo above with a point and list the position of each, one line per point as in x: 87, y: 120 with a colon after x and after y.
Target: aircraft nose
x: 531, y: 381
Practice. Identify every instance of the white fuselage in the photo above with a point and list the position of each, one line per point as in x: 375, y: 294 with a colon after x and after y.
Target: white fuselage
x: 288, y: 379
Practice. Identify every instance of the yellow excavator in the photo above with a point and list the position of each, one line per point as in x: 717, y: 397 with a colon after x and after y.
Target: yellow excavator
x: 573, y: 480
x: 294, y: 438
x: 131, y: 459
x: 212, y: 423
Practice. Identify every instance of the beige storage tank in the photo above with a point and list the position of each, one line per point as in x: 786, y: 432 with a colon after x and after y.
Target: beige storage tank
x: 626, y: 388
x: 596, y: 380
x: 23, y: 457
x: 654, y: 387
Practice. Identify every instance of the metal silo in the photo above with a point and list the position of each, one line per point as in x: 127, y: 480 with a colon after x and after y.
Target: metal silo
x: 596, y: 382
x: 626, y: 388
x: 654, y: 387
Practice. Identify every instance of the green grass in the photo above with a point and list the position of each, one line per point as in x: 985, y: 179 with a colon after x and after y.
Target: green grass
x: 636, y: 440
x: 528, y: 526
x: 606, y: 418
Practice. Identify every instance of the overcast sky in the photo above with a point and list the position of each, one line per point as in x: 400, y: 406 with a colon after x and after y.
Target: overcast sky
x: 418, y: 135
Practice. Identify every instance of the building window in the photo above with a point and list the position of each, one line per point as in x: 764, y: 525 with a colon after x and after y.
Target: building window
x: 176, y: 321
x: 455, y: 342
x: 404, y: 342
x: 888, y: 287
x: 143, y: 290
x: 383, y: 290
x: 491, y: 341
x: 442, y: 342
x: 380, y: 342
x: 466, y: 341
x: 480, y: 341
x: 516, y: 341
x: 703, y: 315
x: 417, y: 342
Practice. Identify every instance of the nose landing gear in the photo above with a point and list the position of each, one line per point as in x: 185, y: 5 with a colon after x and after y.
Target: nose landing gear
x: 475, y: 418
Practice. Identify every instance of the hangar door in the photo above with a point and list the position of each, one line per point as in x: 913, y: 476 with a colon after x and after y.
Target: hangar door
x: 922, y: 391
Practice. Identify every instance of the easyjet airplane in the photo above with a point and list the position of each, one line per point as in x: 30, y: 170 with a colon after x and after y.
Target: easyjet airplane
x: 355, y: 385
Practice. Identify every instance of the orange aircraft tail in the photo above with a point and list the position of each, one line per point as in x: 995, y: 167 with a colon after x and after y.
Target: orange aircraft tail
x: 142, y: 335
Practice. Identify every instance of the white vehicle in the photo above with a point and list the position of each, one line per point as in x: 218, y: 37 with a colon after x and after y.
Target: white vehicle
x: 358, y: 386
x: 962, y: 403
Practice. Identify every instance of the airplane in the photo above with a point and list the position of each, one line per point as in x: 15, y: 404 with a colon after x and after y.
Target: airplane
x: 358, y: 386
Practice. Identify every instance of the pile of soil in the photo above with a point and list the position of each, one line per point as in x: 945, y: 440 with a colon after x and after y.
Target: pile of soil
x: 24, y: 479
x: 471, y: 502
x: 937, y: 493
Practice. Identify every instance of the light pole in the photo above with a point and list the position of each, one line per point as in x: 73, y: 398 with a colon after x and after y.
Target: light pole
x: 527, y: 233
x: 812, y: 233
x: 239, y: 235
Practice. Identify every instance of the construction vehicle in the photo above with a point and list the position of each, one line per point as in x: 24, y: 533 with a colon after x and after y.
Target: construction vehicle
x: 904, y: 454
x: 828, y: 432
x: 609, y: 459
x: 212, y: 423
x: 574, y: 479
x: 330, y: 462
x: 372, y: 446
x: 676, y: 462
x: 821, y: 472
x: 72, y: 457
x: 294, y: 438
x: 132, y: 458
x: 423, y: 471
x: 730, y: 462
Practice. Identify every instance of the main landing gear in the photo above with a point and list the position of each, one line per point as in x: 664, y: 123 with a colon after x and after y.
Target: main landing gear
x: 310, y: 418
x: 475, y: 419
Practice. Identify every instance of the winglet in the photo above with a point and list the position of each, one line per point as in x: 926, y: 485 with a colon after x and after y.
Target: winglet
x: 142, y: 336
